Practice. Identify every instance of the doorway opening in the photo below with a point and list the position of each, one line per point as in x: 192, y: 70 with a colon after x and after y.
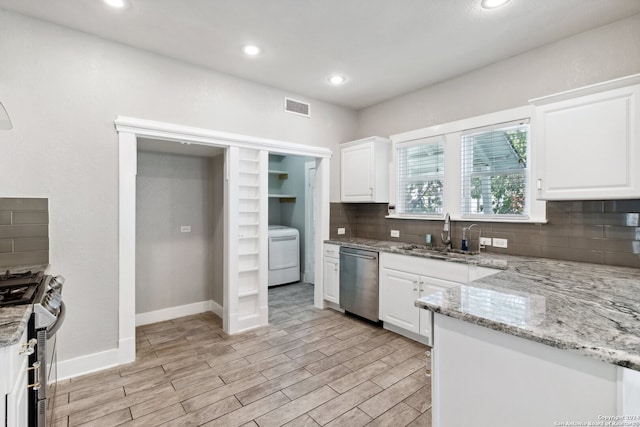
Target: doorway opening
x: 245, y: 219
x: 179, y: 230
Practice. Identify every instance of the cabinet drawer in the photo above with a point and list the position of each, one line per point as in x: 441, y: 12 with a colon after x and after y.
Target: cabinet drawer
x: 331, y: 251
x: 445, y: 270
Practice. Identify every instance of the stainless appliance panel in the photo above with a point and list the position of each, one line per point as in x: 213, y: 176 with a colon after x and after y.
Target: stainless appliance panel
x: 359, y: 293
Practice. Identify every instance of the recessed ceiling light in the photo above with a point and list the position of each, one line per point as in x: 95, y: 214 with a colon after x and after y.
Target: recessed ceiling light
x: 251, y: 50
x: 337, y: 80
x: 492, y: 4
x: 119, y: 4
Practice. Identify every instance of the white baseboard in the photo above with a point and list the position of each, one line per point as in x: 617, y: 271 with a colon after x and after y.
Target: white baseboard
x: 175, y: 312
x: 87, y: 364
x: 216, y: 308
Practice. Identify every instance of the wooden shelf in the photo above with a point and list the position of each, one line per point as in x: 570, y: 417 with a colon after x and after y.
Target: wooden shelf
x: 281, y: 174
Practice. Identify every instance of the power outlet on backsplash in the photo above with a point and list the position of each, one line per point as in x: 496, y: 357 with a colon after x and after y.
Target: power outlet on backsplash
x: 485, y: 241
x: 395, y: 233
x: 341, y: 230
x: 499, y: 243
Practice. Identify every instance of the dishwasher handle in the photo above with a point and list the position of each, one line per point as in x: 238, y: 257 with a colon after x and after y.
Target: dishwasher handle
x: 357, y: 256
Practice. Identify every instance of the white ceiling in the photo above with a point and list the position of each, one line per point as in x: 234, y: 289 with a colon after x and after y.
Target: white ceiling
x: 384, y: 47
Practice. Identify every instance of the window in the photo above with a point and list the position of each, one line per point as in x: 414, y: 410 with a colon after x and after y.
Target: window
x: 420, y: 172
x: 495, y: 170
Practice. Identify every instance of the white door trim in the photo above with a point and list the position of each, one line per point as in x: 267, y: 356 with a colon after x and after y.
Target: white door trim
x: 129, y: 130
x: 310, y: 204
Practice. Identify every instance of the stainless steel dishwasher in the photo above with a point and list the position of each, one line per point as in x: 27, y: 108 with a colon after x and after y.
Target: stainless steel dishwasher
x: 359, y: 282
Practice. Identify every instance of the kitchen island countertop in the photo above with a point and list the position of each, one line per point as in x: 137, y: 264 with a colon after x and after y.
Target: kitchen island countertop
x: 591, y: 309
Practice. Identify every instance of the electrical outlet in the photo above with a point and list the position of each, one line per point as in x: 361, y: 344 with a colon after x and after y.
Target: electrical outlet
x: 499, y: 243
x: 340, y: 230
x: 395, y: 233
x: 485, y: 241
x: 185, y: 229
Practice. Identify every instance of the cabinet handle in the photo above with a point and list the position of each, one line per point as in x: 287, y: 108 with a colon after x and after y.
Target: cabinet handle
x: 36, y: 365
x: 28, y: 348
x: 36, y: 377
x: 427, y: 370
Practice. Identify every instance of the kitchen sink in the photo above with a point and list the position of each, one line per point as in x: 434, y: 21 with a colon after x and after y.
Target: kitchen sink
x: 436, y: 249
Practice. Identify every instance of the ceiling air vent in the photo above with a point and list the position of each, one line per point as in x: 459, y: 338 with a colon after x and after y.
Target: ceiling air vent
x: 297, y: 107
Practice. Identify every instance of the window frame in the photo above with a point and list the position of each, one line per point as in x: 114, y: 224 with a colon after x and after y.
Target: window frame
x: 452, y: 197
x: 437, y: 139
x: 465, y: 184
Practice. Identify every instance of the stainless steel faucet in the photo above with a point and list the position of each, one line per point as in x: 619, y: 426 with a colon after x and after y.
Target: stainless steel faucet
x: 445, y: 236
x: 468, y: 229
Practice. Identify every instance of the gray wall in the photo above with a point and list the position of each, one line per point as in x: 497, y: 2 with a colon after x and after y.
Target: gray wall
x: 63, y: 89
x: 24, y: 232
x: 602, y: 54
x: 174, y: 268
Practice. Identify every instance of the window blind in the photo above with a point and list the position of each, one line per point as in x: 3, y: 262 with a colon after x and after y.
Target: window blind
x: 495, y: 170
x: 420, y: 172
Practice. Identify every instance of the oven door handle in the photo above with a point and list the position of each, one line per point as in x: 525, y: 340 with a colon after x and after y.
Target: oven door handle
x: 53, y: 328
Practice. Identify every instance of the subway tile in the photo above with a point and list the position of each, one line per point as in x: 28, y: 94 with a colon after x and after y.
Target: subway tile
x: 596, y: 257
x: 624, y: 260
x: 30, y: 217
x: 622, y: 206
x: 592, y: 206
x: 586, y: 231
x: 617, y: 232
x: 31, y: 244
x: 18, y: 231
x: 5, y: 217
x: 23, y: 204
x: 24, y: 258
x: 625, y: 219
x: 6, y: 246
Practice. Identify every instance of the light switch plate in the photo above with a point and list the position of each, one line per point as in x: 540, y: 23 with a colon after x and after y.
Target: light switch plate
x: 340, y: 230
x: 499, y: 243
x: 185, y: 229
x: 395, y: 233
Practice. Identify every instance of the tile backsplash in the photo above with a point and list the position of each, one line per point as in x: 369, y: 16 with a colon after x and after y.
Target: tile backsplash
x: 602, y: 232
x: 24, y: 231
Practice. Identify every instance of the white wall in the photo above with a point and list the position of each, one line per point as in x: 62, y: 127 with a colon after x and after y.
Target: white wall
x: 601, y: 54
x: 63, y: 89
x: 173, y: 268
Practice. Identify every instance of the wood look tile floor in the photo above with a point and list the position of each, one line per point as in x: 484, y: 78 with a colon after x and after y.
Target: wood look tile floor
x: 309, y: 367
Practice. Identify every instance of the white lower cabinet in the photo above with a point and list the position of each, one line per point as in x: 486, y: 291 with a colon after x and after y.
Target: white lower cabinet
x: 331, y: 273
x: 404, y: 279
x: 13, y: 384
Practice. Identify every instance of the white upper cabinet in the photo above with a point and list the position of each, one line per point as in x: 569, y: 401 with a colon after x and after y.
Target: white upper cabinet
x: 588, y: 142
x: 364, y: 170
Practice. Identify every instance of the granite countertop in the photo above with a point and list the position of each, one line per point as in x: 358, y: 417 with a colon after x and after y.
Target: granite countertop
x: 13, y: 322
x: 588, y: 308
x: 14, y: 319
x: 481, y: 259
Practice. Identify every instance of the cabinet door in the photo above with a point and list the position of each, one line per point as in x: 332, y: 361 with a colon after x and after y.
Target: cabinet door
x: 589, y: 147
x: 18, y: 400
x: 331, y: 279
x: 357, y: 173
x: 398, y: 293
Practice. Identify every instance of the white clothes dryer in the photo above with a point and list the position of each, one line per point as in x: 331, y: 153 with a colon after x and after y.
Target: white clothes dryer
x: 284, y: 255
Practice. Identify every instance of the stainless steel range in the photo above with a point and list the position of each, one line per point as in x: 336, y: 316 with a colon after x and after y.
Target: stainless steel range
x: 45, y: 293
